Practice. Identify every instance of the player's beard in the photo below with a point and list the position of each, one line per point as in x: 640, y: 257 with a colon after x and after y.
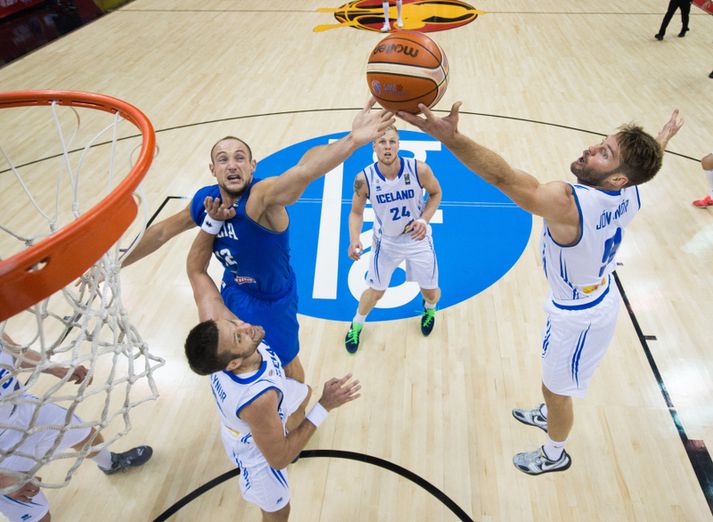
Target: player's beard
x: 588, y: 176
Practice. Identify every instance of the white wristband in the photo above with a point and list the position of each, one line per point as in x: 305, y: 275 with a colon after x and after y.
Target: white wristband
x: 211, y: 226
x: 421, y: 220
x: 317, y: 415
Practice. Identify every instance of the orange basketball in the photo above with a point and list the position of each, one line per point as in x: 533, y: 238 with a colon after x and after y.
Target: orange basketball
x: 407, y: 68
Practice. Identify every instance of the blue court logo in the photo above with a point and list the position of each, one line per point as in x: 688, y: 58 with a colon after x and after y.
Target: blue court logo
x: 478, y: 232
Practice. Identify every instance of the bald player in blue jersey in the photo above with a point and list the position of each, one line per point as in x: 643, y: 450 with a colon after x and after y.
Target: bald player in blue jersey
x: 253, y: 245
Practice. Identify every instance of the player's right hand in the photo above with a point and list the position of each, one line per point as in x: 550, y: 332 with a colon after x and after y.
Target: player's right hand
x: 355, y: 250
x: 339, y: 391
x: 216, y: 210
x: 26, y: 493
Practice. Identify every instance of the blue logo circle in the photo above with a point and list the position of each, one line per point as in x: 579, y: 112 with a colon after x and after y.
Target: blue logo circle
x: 478, y: 232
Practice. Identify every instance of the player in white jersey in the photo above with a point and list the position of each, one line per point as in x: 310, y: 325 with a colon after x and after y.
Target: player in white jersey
x: 394, y: 186
x: 583, y: 226
x: 26, y: 503
x: 252, y: 393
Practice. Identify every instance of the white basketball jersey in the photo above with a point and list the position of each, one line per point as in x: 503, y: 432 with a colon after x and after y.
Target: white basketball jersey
x: 396, y: 202
x: 8, y: 384
x: 232, y: 393
x: 579, y: 274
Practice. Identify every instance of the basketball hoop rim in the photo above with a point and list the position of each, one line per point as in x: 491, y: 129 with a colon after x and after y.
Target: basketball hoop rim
x: 73, y: 249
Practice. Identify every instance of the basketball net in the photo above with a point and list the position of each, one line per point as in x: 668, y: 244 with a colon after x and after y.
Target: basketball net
x: 83, y: 323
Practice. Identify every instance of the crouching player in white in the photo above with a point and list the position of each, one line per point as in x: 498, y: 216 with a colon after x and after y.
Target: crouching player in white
x: 27, y: 503
x: 253, y: 396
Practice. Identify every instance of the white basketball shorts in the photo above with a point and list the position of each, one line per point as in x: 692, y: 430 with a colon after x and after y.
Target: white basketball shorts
x: 574, y: 342
x: 260, y: 484
x: 37, y: 445
x: 388, y: 252
x: 17, y: 511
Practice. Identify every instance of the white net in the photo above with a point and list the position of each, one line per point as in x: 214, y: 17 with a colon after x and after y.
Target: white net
x: 81, y: 332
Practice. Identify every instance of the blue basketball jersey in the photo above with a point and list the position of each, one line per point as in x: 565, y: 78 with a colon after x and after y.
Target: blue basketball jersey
x: 255, y: 258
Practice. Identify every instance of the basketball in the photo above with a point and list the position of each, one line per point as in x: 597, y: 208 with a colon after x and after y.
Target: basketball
x: 407, y: 68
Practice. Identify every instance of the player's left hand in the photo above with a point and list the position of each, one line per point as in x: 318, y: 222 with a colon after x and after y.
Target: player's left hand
x: 78, y: 375
x: 418, y: 229
x: 369, y: 125
x: 670, y: 129
x: 216, y: 210
x: 443, y: 129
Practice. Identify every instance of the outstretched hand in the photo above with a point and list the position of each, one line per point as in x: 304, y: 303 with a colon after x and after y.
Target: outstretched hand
x: 339, y: 391
x: 670, y: 129
x: 369, y: 125
x: 443, y: 129
x: 216, y: 210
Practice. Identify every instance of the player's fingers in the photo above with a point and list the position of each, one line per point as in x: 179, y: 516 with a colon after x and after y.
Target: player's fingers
x: 369, y: 104
x: 411, y: 118
x: 426, y: 112
x: 354, y: 388
x: 345, y: 379
x: 455, y: 108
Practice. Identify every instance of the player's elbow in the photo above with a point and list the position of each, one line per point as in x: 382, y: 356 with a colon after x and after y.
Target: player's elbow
x: 278, y: 460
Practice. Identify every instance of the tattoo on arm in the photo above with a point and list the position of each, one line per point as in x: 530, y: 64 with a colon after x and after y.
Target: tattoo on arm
x: 358, y: 184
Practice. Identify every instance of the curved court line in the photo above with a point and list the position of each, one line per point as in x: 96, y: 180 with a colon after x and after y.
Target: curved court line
x: 337, y: 109
x: 339, y: 454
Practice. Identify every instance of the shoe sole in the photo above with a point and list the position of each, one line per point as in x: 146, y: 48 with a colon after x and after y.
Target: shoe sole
x: 518, y: 419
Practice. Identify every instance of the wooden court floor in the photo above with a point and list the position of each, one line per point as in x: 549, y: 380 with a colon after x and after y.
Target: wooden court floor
x: 539, y: 81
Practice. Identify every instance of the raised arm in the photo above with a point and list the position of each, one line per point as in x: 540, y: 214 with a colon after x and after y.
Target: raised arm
x: 266, y: 427
x: 208, y: 299
x: 286, y: 188
x: 356, y: 216
x: 156, y: 235
x: 553, y: 201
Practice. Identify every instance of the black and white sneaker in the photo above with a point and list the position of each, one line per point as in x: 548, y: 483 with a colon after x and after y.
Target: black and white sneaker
x: 537, y: 462
x: 129, y: 459
x: 532, y: 417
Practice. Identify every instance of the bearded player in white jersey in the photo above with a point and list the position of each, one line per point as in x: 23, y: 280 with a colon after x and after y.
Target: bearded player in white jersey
x: 263, y: 424
x: 395, y: 186
x: 583, y: 225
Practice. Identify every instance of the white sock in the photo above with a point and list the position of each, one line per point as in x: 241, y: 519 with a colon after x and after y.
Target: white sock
x: 386, y: 12
x: 358, y: 318
x: 709, y: 177
x: 398, y: 11
x: 103, y: 459
x: 543, y: 410
x: 554, y: 449
x: 429, y: 306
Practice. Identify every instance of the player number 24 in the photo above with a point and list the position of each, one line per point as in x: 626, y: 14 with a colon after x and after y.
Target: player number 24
x: 396, y: 214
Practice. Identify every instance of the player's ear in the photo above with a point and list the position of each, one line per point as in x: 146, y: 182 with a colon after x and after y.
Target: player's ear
x: 619, y: 180
x: 234, y: 364
x: 210, y: 166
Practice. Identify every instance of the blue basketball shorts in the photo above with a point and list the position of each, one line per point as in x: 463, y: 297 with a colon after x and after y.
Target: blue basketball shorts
x: 278, y: 318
